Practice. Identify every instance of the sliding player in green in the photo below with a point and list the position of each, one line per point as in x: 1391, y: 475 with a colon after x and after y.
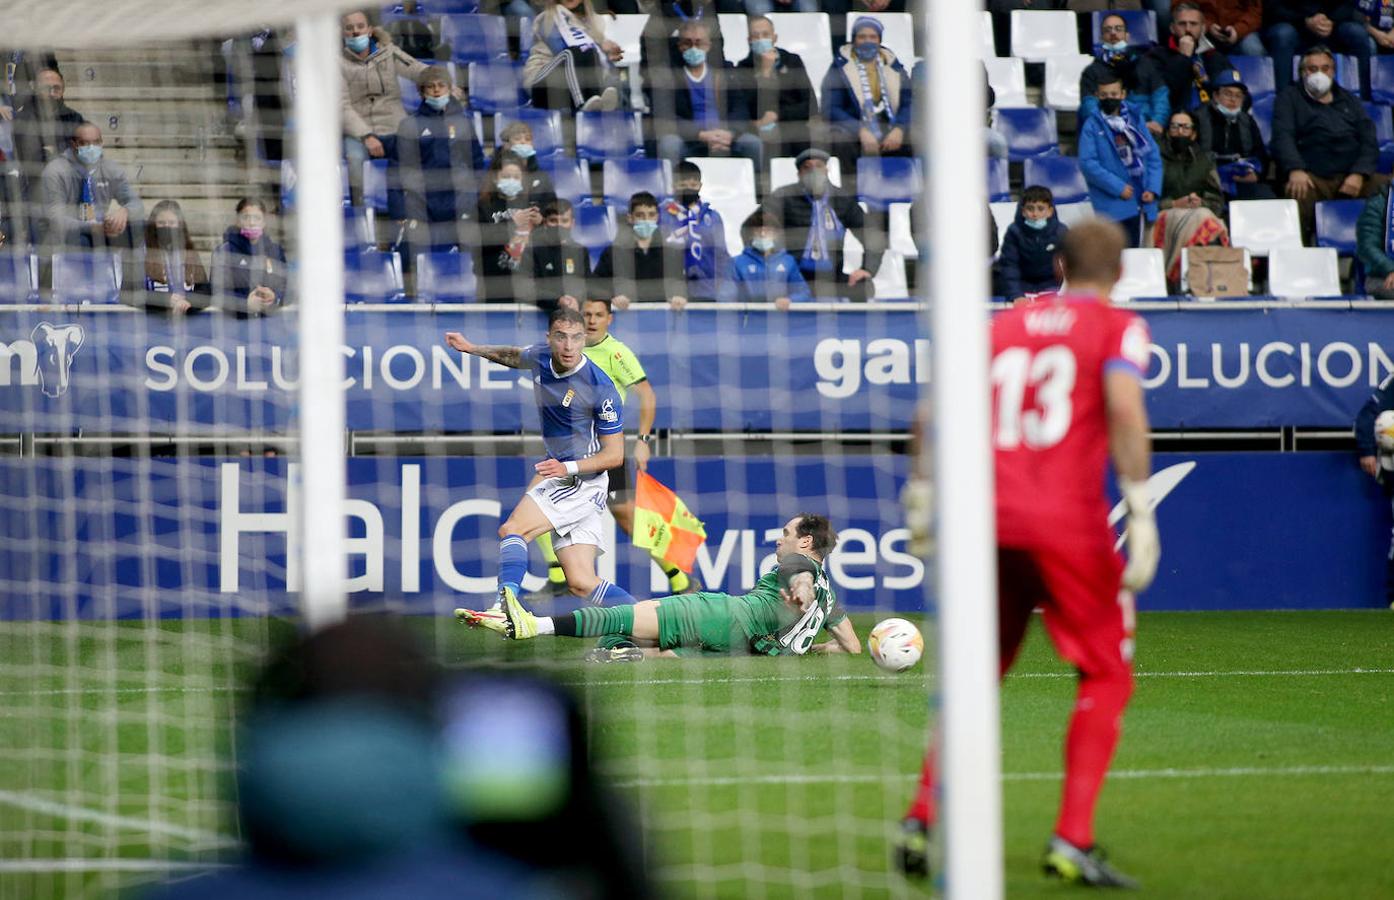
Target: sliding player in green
x: 781, y: 615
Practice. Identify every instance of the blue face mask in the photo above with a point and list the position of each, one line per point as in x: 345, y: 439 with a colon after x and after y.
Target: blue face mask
x: 763, y: 244
x: 1116, y: 46
x: 358, y: 43
x: 1037, y: 224
x: 526, y: 151
x: 88, y: 154
x: 866, y: 52
x: 510, y: 187
x: 645, y: 230
x: 440, y: 102
x: 761, y: 46
x: 694, y: 57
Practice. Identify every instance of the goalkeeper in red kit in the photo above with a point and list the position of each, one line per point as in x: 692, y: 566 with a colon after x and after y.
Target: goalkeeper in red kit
x: 1066, y: 395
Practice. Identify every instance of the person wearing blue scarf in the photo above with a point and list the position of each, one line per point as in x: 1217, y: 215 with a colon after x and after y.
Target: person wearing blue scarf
x: 690, y: 223
x: 1120, y: 161
x: 1118, y: 57
x: 867, y: 99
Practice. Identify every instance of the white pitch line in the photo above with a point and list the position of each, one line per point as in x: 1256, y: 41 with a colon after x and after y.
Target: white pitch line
x: 1138, y: 774
x: 83, y: 814
x: 105, y: 865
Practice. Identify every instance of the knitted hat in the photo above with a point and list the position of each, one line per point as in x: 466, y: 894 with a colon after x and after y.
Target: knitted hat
x: 810, y: 153
x: 868, y: 22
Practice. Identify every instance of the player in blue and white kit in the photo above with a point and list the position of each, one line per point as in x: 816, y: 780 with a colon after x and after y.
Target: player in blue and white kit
x: 582, y: 428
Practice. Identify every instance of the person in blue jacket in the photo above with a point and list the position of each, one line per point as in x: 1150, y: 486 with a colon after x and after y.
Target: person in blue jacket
x: 1375, y: 463
x: 1117, y: 56
x: 764, y: 272
x: 867, y: 99
x: 1120, y: 162
x: 1026, y: 264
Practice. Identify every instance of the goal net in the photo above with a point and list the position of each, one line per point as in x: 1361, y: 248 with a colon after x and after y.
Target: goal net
x: 155, y: 459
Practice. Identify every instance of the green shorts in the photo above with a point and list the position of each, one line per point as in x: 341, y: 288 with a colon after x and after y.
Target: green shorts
x: 703, y: 622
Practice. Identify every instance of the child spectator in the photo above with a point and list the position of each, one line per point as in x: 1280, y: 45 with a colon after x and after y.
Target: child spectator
x: 764, y: 272
x: 697, y: 228
x: 174, y: 276
x: 1120, y: 162
x: 249, y: 269
x: 560, y: 266
x: 508, y: 213
x: 640, y: 266
x: 1027, y: 262
x: 516, y: 138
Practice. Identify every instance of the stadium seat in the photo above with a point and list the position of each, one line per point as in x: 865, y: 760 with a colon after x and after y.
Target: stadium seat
x: 288, y: 184
x: 1262, y: 111
x: 453, y: 7
x: 90, y: 277
x: 1186, y: 268
x: 609, y: 135
x: 1384, y: 134
x: 1072, y: 214
x: 728, y: 184
x: 1336, y: 220
x: 1347, y: 71
x: 809, y: 36
x: 570, y: 179
x: 899, y: 34
x: 1029, y: 132
x: 1058, y: 173
x: 1142, y: 25
x: 595, y: 229
x: 620, y: 178
x: 360, y: 228
x: 1062, y: 81
x: 1382, y: 79
x: 784, y: 172
x: 885, y: 180
x: 19, y: 277
x: 445, y: 278
x: 495, y: 87
x: 375, y: 184
x: 1257, y: 74
x: 373, y: 277
x: 989, y: 47
x: 1263, y: 225
x: 1003, y: 215
x: 735, y: 46
x: 889, y: 283
x: 1007, y: 75
x: 525, y: 38
x: 901, y: 233
x: 475, y: 38
x: 1304, y: 272
x: 546, y: 128
x: 411, y: 96
x: 999, y: 188
x: 1144, y: 275
x: 1038, y: 35
x: 625, y: 31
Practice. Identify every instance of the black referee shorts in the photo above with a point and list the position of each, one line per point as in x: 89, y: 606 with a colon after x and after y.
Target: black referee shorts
x: 619, y: 482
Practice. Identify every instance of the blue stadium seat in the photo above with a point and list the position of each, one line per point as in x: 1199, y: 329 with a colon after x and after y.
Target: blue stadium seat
x: 525, y: 38
x: 452, y: 7
x: 1336, y: 220
x: 86, y: 277
x: 475, y: 38
x: 397, y: 12
x: 373, y: 277
x: 998, y: 186
x: 360, y: 230
x: 19, y: 277
x: 445, y: 278
x: 882, y: 181
x: 1384, y: 134
x: 1257, y: 74
x: 595, y: 229
x: 1059, y: 173
x: 1262, y: 111
x: 621, y: 178
x: 1382, y: 79
x: 609, y: 135
x: 571, y: 179
x: 1142, y: 25
x: 495, y: 87
x: 547, y: 137
x: 375, y: 184
x: 1029, y: 132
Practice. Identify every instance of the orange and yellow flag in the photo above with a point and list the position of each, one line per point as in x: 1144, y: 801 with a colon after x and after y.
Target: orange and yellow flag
x: 663, y: 524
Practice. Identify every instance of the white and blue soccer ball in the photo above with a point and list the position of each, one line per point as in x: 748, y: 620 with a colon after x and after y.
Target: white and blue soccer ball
x: 895, y: 644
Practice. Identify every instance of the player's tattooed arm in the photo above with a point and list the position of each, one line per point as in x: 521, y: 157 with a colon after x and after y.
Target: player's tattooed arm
x: 512, y: 357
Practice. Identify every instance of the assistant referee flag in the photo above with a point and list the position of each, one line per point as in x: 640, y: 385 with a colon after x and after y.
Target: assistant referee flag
x: 663, y: 524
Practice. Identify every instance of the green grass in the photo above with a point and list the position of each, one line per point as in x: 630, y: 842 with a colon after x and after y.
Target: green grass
x: 1255, y: 763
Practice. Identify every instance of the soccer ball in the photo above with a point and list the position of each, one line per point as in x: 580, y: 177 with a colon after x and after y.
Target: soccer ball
x: 1384, y: 431
x: 895, y: 644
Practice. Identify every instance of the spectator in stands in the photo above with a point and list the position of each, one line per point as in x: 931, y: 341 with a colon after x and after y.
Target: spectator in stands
x: 411, y: 32
x: 42, y: 130
x: 1116, y: 59
x: 1189, y: 179
x: 1379, y: 24
x: 255, y: 62
x: 1323, y: 140
x: 88, y: 200
x: 640, y: 266
x: 249, y: 269
x: 1188, y: 61
x: 1227, y: 130
x: 816, y: 220
x: 700, y: 114
x: 764, y: 272
x: 660, y: 56
x: 372, y: 98
x: 571, y: 64
x: 755, y: 8
x: 516, y: 138
x: 867, y: 99
x: 775, y: 97
x: 1120, y: 162
x: 175, y: 278
x: 560, y: 266
x: 692, y: 225
x: 508, y: 214
x: 19, y: 79
x: 1233, y: 26
x: 1291, y: 26
x: 1026, y: 264
x: 1374, y: 233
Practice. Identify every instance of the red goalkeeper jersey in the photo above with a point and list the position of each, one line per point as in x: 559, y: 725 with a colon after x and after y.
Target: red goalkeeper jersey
x: 1049, y: 416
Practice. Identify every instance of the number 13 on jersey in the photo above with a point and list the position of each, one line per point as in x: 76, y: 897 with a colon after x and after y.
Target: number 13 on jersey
x: 1033, y: 396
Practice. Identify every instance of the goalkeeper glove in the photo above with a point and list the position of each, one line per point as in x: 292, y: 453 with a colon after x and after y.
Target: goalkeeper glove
x: 918, y: 499
x: 1144, y: 543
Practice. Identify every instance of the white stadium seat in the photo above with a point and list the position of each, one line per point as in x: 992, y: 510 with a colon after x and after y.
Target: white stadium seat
x: 809, y: 36
x: 729, y: 186
x: 1304, y: 272
x: 1062, y: 81
x: 625, y: 30
x: 1003, y: 215
x: 735, y: 44
x: 902, y: 236
x: 1144, y: 275
x: 898, y: 34
x: 1007, y: 75
x: 1261, y: 226
x: 989, y: 48
x: 1038, y: 35
x: 784, y: 172
x: 1072, y: 214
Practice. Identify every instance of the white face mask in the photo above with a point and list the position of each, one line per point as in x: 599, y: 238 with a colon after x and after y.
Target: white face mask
x: 1319, y: 83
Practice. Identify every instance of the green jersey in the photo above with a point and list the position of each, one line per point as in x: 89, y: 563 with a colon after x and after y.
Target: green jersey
x: 776, y: 628
x: 617, y: 361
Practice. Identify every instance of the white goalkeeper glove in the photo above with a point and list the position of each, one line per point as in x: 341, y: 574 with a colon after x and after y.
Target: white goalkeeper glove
x: 1143, y: 541
x: 918, y: 499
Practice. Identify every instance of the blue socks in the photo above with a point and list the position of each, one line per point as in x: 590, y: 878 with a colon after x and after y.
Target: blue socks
x: 513, y: 563
x: 607, y: 594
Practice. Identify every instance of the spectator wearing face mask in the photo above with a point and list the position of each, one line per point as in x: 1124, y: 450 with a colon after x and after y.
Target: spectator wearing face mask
x: 1192, y: 204
x: 695, y: 111
x: 88, y: 200
x: 1227, y: 130
x: 1120, y: 162
x: 517, y: 138
x: 640, y: 265
x: 867, y: 98
x: 174, y: 275
x: 508, y: 215
x: 249, y: 269
x: 774, y: 92
x: 1026, y: 264
x: 816, y: 219
x: 1117, y: 59
x: 764, y: 272
x: 560, y: 266
x: 691, y: 224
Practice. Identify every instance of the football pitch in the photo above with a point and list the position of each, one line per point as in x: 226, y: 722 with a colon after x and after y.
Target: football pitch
x: 1257, y: 758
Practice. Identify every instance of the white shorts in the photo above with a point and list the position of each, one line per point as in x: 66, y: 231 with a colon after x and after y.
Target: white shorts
x: 574, y: 505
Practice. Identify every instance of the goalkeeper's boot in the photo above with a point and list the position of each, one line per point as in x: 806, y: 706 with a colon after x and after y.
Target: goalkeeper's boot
x: 1075, y: 865
x: 519, y: 623
x: 614, y: 648
x: 912, y: 849
x: 494, y: 621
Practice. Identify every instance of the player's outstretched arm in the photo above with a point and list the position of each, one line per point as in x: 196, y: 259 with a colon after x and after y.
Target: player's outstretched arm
x: 512, y: 357
x: 844, y: 640
x: 1130, y: 443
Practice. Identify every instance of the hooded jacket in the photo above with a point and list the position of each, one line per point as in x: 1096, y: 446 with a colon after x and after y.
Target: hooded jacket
x: 62, y: 185
x: 1106, y: 175
x: 1027, y: 261
x: 372, y: 96
x: 842, y: 92
x: 754, y: 277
